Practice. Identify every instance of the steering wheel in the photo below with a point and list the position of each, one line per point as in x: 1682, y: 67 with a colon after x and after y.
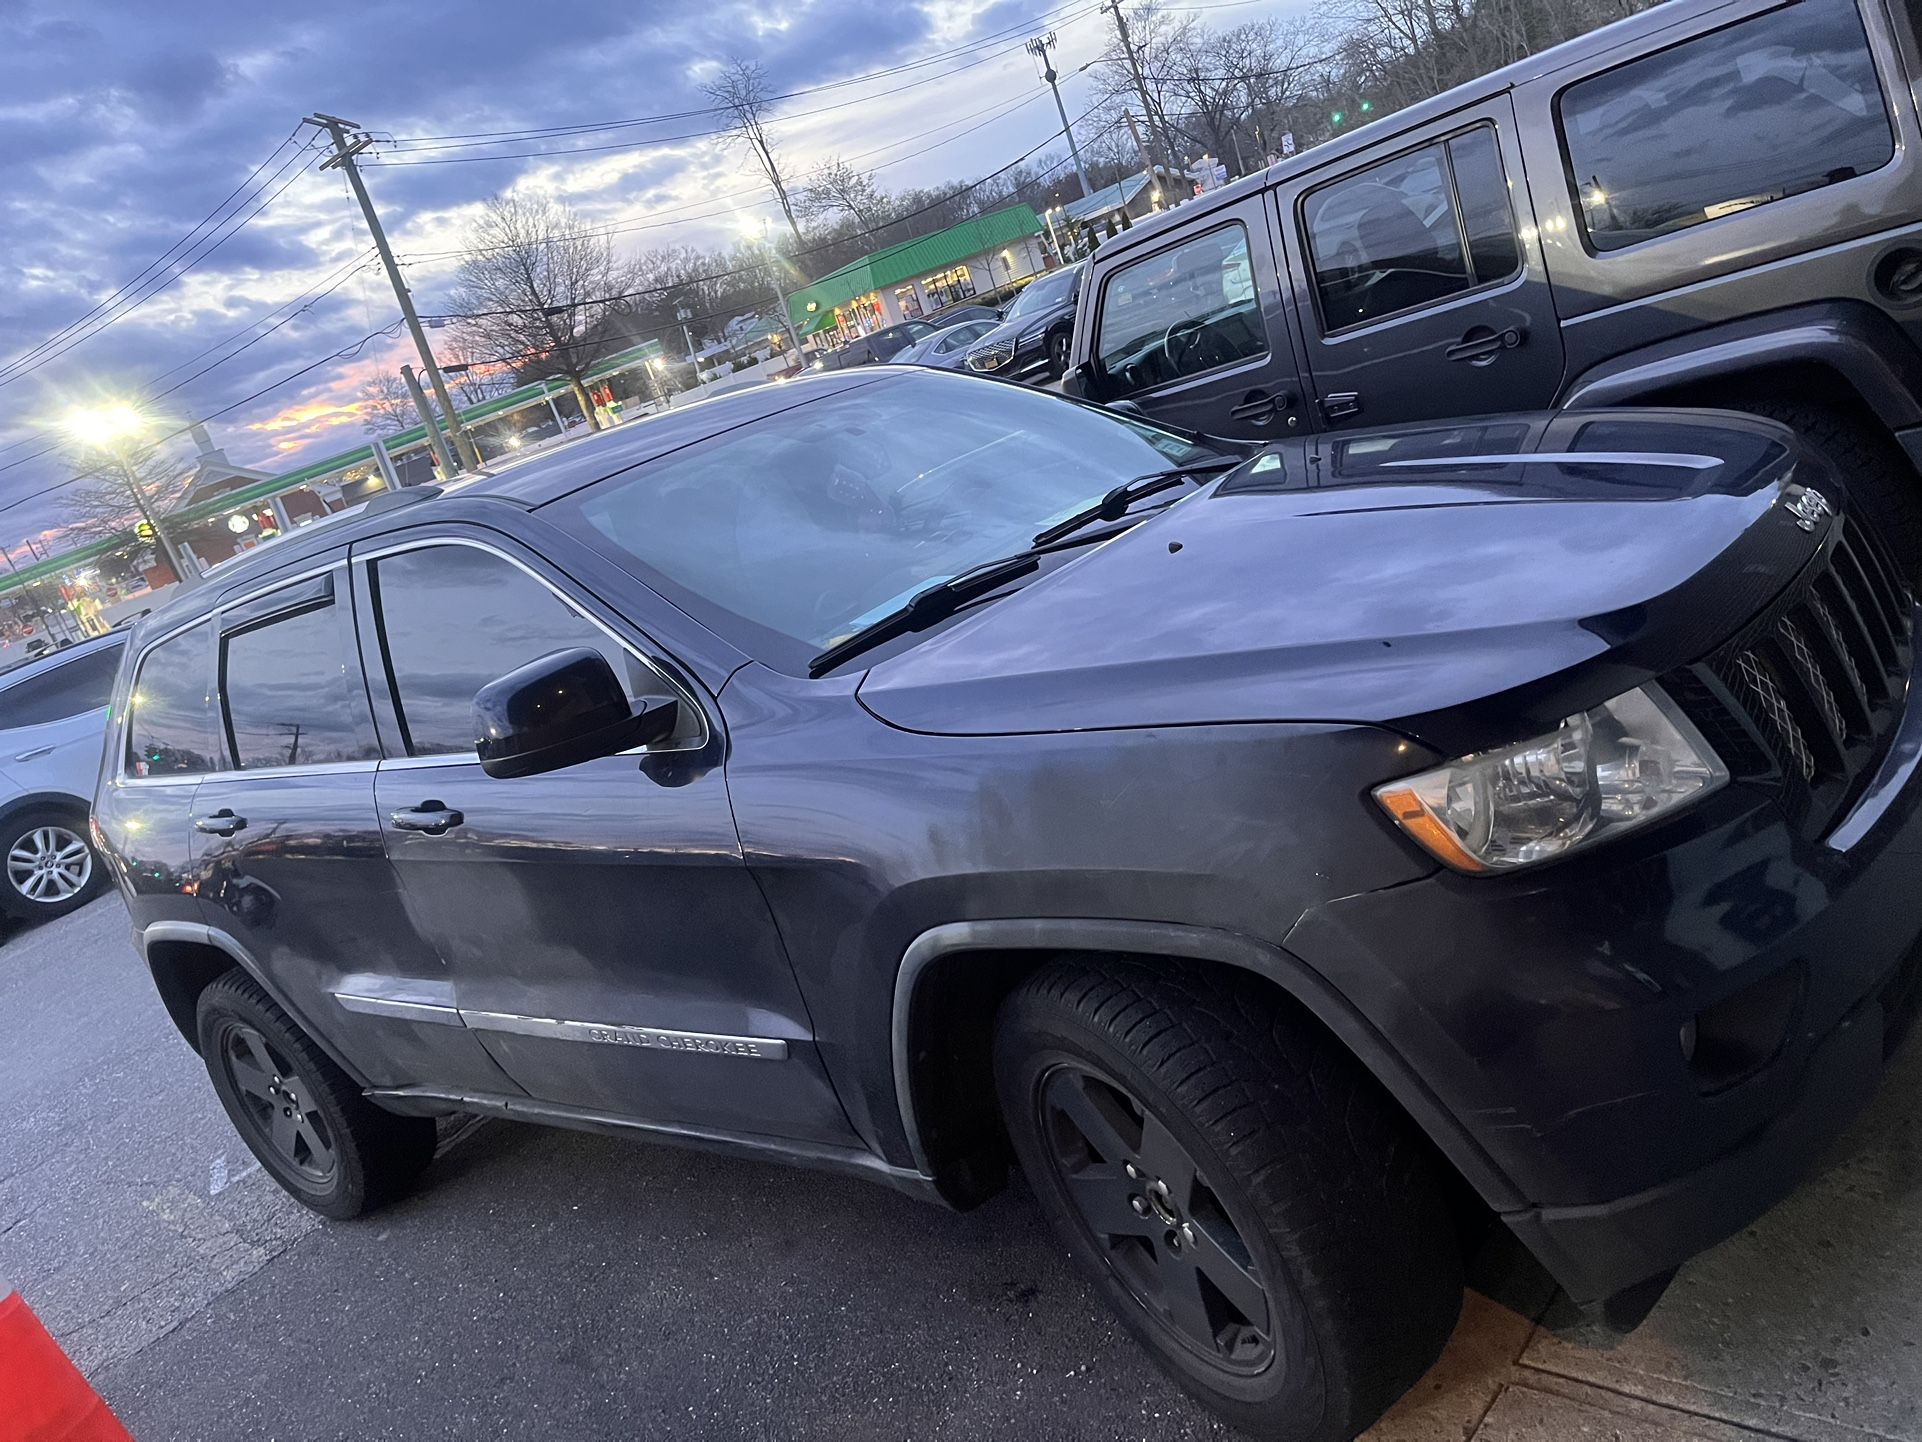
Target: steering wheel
x: 1187, y: 346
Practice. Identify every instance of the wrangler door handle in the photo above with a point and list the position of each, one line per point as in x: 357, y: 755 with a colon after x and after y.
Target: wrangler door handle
x: 1481, y: 345
x: 222, y: 823
x: 430, y: 817
x: 1339, y: 405
x: 1258, y: 407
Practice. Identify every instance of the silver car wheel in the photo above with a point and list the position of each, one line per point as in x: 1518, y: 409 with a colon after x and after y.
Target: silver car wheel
x: 49, y: 864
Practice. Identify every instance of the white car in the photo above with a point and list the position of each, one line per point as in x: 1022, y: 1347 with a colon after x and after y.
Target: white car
x: 53, y: 722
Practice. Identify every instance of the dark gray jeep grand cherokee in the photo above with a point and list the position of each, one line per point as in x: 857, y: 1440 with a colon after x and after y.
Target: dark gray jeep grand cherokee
x: 1275, y: 852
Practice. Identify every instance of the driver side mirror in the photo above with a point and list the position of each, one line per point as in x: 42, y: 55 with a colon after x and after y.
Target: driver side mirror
x: 560, y: 710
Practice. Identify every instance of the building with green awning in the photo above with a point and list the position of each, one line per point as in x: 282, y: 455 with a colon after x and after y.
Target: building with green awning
x: 978, y: 257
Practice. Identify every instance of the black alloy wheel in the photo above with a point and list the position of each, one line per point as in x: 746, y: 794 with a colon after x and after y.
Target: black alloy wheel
x: 1255, y: 1209
x: 277, y: 1103
x: 1058, y: 355
x: 1150, y: 1211
x: 305, y: 1120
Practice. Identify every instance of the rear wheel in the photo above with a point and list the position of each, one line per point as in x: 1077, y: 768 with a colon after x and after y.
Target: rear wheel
x: 299, y: 1113
x: 50, y: 866
x: 1259, y: 1215
x: 1882, y: 485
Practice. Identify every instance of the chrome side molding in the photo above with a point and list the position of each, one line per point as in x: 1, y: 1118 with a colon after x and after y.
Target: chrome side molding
x: 761, y: 1048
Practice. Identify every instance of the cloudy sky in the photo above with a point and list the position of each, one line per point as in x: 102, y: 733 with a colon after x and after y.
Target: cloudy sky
x: 125, y: 126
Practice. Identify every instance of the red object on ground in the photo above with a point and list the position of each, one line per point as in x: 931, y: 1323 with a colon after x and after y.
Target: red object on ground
x: 43, y: 1397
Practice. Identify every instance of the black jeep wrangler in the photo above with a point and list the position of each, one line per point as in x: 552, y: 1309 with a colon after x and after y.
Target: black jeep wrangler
x: 1714, y: 202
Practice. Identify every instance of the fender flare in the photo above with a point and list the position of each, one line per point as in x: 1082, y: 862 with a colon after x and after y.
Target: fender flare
x: 197, y: 933
x: 1196, y: 943
x: 1858, y: 344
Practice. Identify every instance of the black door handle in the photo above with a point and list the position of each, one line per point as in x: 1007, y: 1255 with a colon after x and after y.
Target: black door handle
x: 222, y: 823
x: 1340, y: 404
x: 1257, y: 408
x: 1482, y: 345
x: 429, y: 816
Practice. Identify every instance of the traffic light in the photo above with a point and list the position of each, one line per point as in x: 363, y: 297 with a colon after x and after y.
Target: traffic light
x: 144, y: 530
x: 1336, y: 118
x: 1367, y: 106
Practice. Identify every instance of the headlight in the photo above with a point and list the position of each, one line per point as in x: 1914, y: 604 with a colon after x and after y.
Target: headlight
x: 1599, y: 774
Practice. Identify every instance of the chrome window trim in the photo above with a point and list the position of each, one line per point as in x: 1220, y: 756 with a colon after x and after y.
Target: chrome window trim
x: 653, y: 664
x: 211, y: 617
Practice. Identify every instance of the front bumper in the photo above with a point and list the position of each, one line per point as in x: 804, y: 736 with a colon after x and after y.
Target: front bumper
x: 1545, y: 1013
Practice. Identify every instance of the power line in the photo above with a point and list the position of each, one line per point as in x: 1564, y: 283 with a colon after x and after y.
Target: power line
x: 652, y: 222
x: 161, y: 283
x: 157, y: 260
x: 589, y: 127
x: 797, y: 255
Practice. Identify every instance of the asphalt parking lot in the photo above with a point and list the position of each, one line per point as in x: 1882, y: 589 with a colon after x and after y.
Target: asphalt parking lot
x: 565, y: 1286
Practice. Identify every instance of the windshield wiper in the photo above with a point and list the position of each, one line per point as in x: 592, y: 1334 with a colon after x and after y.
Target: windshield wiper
x: 1114, y: 505
x: 927, y: 606
x: 942, y: 599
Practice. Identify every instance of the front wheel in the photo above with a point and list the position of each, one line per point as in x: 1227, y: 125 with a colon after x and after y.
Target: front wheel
x: 1258, y: 1213
x: 299, y: 1114
x: 1058, y: 355
x: 51, y: 867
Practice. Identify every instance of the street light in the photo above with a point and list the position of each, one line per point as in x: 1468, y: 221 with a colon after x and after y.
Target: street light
x: 108, y: 428
x: 755, y: 228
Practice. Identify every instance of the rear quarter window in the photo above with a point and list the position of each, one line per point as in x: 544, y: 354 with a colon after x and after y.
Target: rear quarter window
x: 172, y: 726
x: 1777, y: 105
x: 69, y: 688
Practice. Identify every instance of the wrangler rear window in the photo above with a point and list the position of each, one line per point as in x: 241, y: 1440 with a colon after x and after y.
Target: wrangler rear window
x: 1784, y: 103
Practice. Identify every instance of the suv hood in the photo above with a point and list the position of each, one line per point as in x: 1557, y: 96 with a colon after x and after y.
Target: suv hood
x: 1438, y: 598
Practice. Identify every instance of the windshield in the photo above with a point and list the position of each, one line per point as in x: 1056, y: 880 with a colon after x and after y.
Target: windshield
x: 1043, y: 294
x: 788, y: 533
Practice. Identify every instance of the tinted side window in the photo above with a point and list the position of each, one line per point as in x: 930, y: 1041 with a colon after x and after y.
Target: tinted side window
x: 1181, y: 311
x: 68, y: 689
x: 294, y: 694
x: 453, y: 619
x: 1774, y: 106
x: 1481, y: 187
x: 1385, y: 239
x: 171, y: 730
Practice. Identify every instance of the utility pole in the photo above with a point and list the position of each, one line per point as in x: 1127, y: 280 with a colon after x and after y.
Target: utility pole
x: 1154, y: 186
x: 1038, y: 48
x: 1113, y: 7
x: 684, y: 315
x: 345, y: 149
x: 434, y: 437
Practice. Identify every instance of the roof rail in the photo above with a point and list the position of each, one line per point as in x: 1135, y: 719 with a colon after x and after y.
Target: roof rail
x: 389, y: 500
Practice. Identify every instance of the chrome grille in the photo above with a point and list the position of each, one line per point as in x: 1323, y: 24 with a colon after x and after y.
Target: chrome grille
x: 991, y: 357
x: 1806, y: 698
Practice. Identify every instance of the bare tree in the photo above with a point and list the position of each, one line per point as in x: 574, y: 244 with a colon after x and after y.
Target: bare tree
x: 743, y: 91
x: 385, y: 406
x: 124, y: 490
x: 471, y: 377
x: 532, y: 289
x: 836, y: 188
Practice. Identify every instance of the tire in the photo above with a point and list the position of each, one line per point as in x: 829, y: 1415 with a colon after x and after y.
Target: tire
x: 45, y: 876
x: 1880, y: 481
x: 298, y: 1113
x: 1307, y: 1195
x: 1058, y: 344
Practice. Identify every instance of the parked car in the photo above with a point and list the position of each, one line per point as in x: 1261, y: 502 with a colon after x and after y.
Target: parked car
x: 878, y: 347
x: 1713, y: 203
x: 53, y: 719
x: 947, y: 348
x: 1036, y: 329
x: 1278, y: 851
x: 960, y: 314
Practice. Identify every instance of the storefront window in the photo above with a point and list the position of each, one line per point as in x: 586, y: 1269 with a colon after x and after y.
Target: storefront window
x: 909, y: 302
x: 951, y: 287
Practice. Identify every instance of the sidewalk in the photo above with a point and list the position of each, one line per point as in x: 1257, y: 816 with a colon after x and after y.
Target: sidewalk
x: 1806, y: 1326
